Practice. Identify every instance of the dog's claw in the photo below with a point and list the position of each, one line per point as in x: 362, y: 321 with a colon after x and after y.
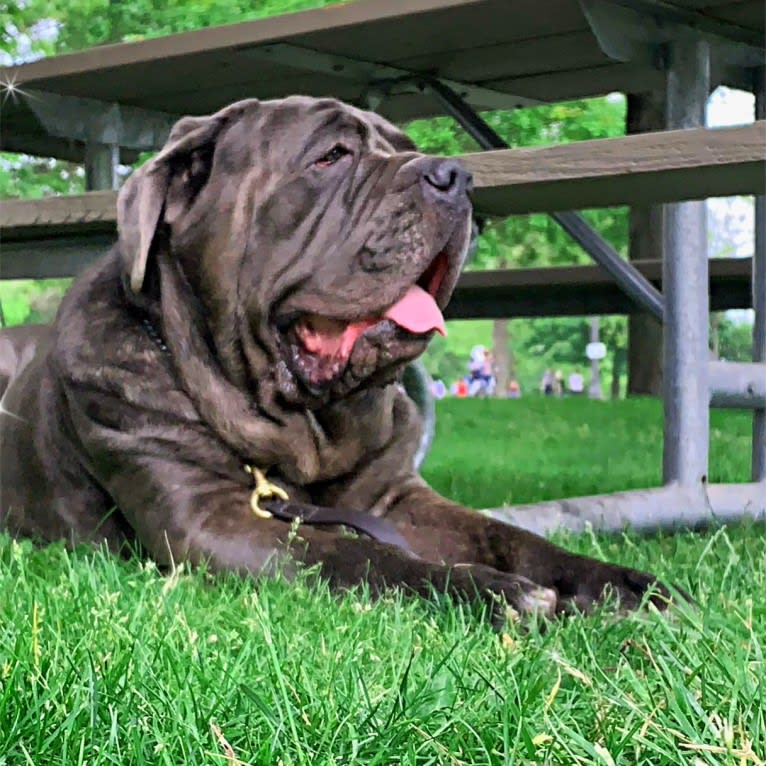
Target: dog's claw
x: 540, y: 601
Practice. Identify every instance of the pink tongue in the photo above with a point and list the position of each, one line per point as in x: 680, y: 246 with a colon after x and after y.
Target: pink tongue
x: 417, y: 312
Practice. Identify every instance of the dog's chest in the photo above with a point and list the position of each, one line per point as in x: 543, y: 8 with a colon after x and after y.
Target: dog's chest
x: 345, y: 435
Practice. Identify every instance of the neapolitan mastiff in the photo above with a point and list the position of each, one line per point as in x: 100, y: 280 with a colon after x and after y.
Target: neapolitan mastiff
x: 278, y: 264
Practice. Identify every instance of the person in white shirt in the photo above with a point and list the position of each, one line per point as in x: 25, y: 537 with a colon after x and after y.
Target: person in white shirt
x: 576, y: 383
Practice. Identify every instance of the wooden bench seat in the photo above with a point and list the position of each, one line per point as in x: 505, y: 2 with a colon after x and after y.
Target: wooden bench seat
x: 57, y: 236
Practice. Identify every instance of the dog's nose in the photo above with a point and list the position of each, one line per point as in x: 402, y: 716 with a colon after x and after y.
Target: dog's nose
x: 445, y: 180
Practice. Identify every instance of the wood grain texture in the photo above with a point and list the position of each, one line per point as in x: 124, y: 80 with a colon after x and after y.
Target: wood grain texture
x: 651, y: 167
x: 73, y: 211
x: 525, y: 49
x: 581, y: 290
x: 632, y: 170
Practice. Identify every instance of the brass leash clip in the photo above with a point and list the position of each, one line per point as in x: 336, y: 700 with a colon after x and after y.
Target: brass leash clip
x: 264, y: 490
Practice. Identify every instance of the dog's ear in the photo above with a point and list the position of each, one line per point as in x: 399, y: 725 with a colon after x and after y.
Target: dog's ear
x: 186, y: 160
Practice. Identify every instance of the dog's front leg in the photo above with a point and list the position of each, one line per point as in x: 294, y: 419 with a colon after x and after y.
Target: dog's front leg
x: 347, y: 561
x: 236, y: 539
x: 441, y: 530
x: 180, y: 515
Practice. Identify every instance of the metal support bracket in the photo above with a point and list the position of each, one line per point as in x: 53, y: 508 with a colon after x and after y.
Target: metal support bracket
x: 383, y: 78
x: 101, y: 164
x: 99, y: 122
x: 741, y: 385
x: 643, y: 292
x: 759, y: 292
x: 690, y: 383
x: 641, y: 30
x: 661, y: 21
x: 645, y: 510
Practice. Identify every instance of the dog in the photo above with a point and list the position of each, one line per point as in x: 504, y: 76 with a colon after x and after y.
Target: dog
x: 278, y: 264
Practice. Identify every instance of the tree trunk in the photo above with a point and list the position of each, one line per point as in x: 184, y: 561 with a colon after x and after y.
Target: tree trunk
x: 501, y: 356
x: 594, y: 388
x: 715, y: 334
x: 618, y: 360
x: 646, y: 112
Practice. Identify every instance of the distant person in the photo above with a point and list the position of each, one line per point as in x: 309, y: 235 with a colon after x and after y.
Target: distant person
x: 476, y: 361
x: 514, y: 389
x: 576, y: 383
x: 488, y: 373
x: 461, y: 388
x: 558, y: 383
x: 486, y: 366
x: 547, y: 382
x: 481, y: 379
x: 438, y: 389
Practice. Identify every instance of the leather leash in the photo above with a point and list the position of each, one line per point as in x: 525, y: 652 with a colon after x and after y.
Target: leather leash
x: 279, y: 505
x: 270, y: 500
x: 378, y: 529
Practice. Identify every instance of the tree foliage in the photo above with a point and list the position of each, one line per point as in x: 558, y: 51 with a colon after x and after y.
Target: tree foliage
x: 30, y: 301
x: 733, y: 339
x: 536, y: 240
x: 41, y: 27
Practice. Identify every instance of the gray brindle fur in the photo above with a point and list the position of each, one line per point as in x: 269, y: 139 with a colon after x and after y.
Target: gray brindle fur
x: 245, y: 222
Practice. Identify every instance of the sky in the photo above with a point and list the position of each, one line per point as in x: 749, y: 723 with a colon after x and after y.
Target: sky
x: 732, y: 220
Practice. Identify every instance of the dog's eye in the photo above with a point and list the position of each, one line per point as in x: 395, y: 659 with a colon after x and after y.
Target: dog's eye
x: 336, y: 153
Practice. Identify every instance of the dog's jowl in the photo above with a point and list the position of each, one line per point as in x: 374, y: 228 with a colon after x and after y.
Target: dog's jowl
x: 278, y: 264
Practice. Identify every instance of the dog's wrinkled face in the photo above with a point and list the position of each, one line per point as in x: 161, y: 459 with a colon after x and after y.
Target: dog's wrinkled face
x: 314, y: 232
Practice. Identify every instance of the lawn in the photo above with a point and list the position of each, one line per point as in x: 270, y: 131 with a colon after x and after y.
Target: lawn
x: 489, y: 452
x: 104, y: 661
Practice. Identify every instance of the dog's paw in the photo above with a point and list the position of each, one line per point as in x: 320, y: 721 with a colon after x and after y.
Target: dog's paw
x: 626, y: 588
x: 505, y: 594
x: 517, y: 597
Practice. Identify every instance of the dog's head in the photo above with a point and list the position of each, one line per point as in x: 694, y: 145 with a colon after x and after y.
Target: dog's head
x: 319, y: 246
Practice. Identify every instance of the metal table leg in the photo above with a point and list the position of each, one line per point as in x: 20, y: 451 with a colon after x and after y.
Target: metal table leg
x: 685, y: 286
x: 759, y: 294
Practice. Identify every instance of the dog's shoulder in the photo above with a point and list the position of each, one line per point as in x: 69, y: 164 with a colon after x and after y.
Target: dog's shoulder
x: 104, y: 359
x: 93, y: 318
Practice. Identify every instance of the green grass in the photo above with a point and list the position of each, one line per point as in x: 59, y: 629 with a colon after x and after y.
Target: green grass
x: 489, y: 452
x: 104, y: 661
